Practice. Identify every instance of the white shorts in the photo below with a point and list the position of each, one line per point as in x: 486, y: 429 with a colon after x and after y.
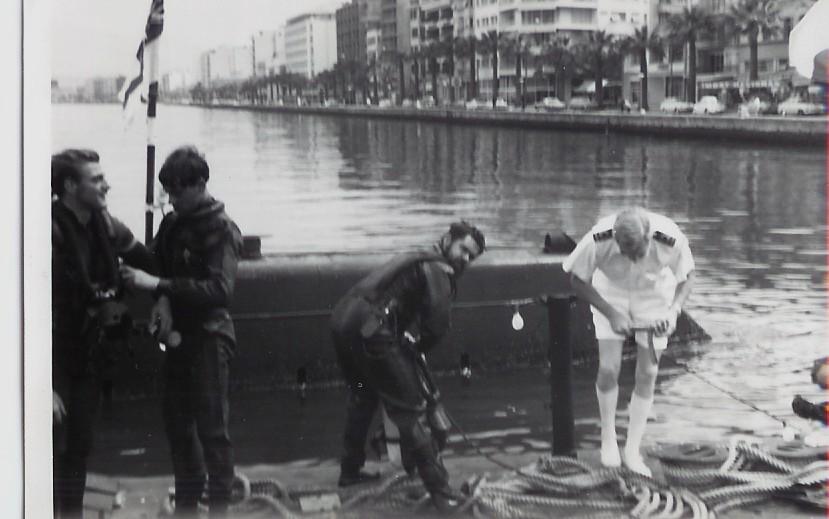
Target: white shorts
x: 642, y: 306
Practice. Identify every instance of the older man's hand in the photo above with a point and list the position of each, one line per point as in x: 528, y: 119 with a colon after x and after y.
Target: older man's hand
x: 666, y: 324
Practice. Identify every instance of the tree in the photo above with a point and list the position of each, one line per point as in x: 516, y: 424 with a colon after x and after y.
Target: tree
x: 433, y: 52
x: 416, y: 56
x: 639, y: 44
x: 465, y: 47
x: 751, y: 18
x: 598, y: 50
x: 398, y: 59
x: 372, y: 66
x: 491, y: 43
x: 516, y: 48
x: 687, y: 27
x: 560, y: 52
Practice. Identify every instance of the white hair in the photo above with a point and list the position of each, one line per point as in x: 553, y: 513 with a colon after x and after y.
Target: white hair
x: 632, y: 225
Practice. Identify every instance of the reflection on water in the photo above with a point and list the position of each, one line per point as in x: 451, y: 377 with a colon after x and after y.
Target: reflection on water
x: 754, y: 214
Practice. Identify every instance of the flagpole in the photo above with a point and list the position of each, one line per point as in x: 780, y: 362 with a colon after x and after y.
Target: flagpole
x: 152, y: 97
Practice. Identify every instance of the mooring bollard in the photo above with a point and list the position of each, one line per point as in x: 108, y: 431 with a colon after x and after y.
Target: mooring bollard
x: 561, y: 375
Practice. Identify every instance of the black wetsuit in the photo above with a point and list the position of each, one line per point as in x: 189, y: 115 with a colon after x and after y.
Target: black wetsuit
x: 84, y: 279
x: 412, y: 292
x: 199, y: 251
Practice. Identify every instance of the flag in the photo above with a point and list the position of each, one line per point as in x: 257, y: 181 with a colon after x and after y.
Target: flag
x: 808, y: 40
x: 152, y: 30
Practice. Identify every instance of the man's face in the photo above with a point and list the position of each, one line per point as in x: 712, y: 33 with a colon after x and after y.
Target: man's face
x: 184, y: 198
x: 91, y: 188
x: 633, y: 249
x: 462, y: 251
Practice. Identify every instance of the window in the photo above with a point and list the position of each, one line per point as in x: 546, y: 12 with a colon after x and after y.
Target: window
x: 782, y: 64
x: 764, y: 65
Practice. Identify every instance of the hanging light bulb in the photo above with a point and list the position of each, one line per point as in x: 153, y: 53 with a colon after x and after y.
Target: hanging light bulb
x: 517, y: 320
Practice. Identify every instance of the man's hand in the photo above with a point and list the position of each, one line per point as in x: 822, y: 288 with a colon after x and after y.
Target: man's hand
x: 620, y: 323
x: 161, y: 318
x: 666, y: 324
x: 58, y: 409
x: 135, y: 278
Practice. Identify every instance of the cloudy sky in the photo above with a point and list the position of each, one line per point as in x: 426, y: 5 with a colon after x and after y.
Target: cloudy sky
x: 100, y: 37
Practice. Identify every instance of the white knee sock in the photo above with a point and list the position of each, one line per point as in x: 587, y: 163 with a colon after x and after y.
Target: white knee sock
x: 638, y: 413
x: 607, y: 412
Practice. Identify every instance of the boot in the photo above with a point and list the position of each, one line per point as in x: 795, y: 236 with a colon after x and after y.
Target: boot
x: 607, y: 412
x: 355, y: 478
x: 638, y: 413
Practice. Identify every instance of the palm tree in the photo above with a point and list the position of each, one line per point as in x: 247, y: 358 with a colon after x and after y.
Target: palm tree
x: 491, y: 43
x: 750, y: 18
x: 372, y: 66
x: 433, y: 51
x: 561, y: 53
x: 465, y: 48
x: 416, y: 56
x: 687, y: 27
x: 517, y: 48
x: 639, y: 44
x: 398, y: 59
x: 599, y: 48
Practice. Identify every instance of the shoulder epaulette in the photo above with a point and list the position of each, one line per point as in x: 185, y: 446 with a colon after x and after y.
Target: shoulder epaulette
x: 604, y: 235
x: 661, y: 237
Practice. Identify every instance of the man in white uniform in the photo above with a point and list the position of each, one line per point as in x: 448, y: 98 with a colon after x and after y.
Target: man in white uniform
x: 636, y: 270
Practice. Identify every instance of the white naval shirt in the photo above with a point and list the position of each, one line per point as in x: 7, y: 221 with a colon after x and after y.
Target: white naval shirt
x: 598, y: 260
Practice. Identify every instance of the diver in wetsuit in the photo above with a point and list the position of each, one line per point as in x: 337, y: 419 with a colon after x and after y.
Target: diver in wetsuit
x: 373, y: 326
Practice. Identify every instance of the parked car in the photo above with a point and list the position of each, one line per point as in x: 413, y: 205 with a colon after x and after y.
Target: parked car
x: 582, y: 103
x: 550, y: 103
x: 796, y: 106
x: 674, y: 105
x: 709, y: 105
x: 501, y: 104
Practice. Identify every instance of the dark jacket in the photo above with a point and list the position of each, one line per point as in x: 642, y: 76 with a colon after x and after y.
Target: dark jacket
x: 411, y: 293
x: 85, y: 276
x: 199, y: 252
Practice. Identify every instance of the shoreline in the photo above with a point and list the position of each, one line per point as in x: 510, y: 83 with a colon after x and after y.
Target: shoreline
x: 801, y: 130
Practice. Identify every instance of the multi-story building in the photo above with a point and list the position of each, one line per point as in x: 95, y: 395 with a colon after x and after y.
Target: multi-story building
x: 225, y: 64
x: 722, y: 62
x: 359, y: 35
x: 175, y: 80
x: 269, y: 52
x: 538, y: 21
x: 351, y: 37
x: 310, y: 43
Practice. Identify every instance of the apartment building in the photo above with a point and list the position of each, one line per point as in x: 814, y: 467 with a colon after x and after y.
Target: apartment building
x: 310, y: 43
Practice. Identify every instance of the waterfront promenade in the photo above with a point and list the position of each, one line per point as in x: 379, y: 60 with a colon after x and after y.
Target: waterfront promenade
x: 803, y: 130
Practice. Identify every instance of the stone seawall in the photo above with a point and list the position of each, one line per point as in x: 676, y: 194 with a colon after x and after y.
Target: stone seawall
x: 802, y: 130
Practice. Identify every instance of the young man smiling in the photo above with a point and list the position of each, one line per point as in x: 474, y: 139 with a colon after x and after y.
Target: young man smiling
x: 380, y: 328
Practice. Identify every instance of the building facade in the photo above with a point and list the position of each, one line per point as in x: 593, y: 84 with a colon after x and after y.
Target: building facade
x: 537, y: 22
x: 225, y: 64
x: 310, y: 43
x: 269, y: 52
x: 723, y: 67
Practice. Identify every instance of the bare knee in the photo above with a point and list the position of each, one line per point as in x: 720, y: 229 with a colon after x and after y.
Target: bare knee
x: 646, y: 378
x: 607, y: 376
